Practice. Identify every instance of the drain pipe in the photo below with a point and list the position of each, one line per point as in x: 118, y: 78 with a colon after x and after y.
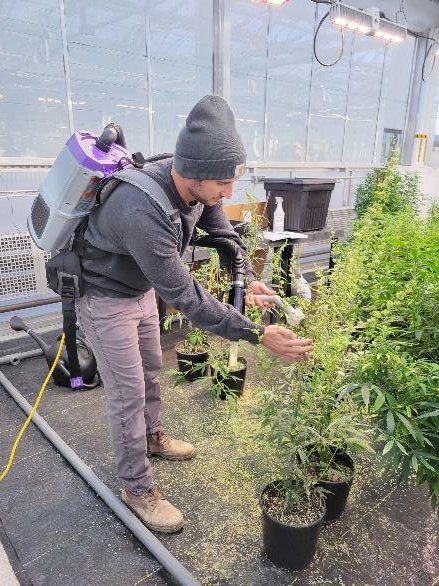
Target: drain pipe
x: 152, y: 544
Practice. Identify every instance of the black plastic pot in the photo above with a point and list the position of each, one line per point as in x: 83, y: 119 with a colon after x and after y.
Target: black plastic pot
x: 234, y: 382
x: 288, y: 546
x: 338, y: 491
x: 187, y: 363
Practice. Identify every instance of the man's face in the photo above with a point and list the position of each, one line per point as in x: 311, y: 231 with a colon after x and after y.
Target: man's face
x: 210, y: 191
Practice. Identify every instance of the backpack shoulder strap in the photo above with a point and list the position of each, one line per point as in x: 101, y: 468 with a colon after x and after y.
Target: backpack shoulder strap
x: 151, y: 187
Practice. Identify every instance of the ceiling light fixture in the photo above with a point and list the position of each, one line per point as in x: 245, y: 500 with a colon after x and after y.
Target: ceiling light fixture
x: 391, y: 31
x: 367, y: 22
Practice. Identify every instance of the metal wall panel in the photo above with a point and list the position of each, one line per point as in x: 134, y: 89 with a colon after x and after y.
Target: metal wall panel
x: 33, y: 108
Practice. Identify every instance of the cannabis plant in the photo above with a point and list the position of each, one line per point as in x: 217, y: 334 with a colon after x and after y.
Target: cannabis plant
x: 307, y: 429
x: 381, y: 306
x: 208, y: 274
x: 393, y: 191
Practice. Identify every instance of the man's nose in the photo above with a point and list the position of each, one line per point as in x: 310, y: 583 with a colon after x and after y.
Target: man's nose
x: 227, y: 192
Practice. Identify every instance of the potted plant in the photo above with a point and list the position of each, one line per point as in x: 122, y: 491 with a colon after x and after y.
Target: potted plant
x: 227, y: 369
x: 193, y: 351
x: 292, y: 505
x: 394, y: 374
x: 329, y: 463
x: 228, y: 379
x: 311, y: 432
x: 193, y: 355
x: 338, y: 426
x: 292, y: 514
x: 384, y: 293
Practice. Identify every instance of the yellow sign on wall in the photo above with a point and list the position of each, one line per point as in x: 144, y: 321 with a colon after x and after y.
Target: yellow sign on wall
x: 422, y: 147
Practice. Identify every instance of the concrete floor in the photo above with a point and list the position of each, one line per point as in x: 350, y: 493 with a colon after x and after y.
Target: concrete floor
x: 57, y: 532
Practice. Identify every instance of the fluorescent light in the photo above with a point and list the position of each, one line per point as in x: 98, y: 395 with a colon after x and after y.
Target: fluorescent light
x: 50, y: 100
x: 131, y: 107
x: 272, y: 2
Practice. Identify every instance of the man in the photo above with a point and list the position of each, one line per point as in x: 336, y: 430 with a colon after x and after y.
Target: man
x: 139, y: 251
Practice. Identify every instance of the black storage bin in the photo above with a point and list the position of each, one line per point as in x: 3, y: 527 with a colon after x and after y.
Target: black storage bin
x: 305, y: 202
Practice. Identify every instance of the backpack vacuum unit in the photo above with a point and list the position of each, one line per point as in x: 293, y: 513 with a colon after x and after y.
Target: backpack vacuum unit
x: 68, y: 192
x: 66, y: 196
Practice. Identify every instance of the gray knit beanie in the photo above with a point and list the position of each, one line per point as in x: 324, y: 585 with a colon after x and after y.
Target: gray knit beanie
x: 208, y: 147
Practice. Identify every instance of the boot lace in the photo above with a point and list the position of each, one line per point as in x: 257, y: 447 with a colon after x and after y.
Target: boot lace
x: 153, y: 495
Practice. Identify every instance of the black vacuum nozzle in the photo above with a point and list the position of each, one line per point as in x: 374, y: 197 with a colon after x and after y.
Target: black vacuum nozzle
x: 112, y: 133
x: 17, y: 324
x: 237, y: 266
x: 61, y: 374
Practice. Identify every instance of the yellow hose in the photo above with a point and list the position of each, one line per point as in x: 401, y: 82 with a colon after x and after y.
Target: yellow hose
x: 33, y: 411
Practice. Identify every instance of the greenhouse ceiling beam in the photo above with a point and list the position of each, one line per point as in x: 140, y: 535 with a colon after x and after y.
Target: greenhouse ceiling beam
x: 24, y: 162
x: 66, y: 63
x: 308, y: 165
x: 221, y: 48
x: 149, y: 78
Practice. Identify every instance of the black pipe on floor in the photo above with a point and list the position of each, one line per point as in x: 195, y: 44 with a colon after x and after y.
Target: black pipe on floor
x: 29, y: 304
x: 152, y: 544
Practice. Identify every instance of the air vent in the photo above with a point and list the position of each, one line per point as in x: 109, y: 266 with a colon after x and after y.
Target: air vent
x: 39, y: 215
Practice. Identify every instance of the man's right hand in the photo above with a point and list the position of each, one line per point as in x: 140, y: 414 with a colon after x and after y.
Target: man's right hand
x: 286, y: 344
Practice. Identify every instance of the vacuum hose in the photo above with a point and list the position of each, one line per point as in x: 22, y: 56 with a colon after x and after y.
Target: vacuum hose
x: 237, y: 269
x: 112, y: 133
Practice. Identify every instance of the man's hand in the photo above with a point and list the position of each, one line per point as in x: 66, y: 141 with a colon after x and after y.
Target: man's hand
x: 258, y: 288
x: 286, y: 344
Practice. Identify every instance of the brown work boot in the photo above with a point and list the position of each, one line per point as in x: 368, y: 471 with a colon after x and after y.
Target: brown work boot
x: 161, y: 444
x: 154, y: 510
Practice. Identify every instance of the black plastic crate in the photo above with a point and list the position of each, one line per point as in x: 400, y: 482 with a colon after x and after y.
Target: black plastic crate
x: 305, y: 202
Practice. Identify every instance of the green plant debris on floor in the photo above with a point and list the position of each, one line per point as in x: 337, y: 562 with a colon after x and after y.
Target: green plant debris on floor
x: 219, y: 494
x: 387, y: 535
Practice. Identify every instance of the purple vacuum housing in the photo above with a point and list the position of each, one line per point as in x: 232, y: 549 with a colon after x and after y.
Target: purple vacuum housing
x: 68, y: 192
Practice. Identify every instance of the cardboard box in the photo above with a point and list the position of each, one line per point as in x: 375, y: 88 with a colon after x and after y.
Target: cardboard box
x: 236, y: 211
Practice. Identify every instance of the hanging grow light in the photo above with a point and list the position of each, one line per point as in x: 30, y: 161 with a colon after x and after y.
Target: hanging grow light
x: 391, y: 31
x: 353, y: 19
x: 367, y: 22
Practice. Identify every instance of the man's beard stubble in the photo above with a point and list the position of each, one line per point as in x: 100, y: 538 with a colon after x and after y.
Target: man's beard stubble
x: 196, y: 191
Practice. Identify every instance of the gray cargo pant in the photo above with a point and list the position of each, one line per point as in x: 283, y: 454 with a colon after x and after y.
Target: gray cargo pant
x: 125, y: 337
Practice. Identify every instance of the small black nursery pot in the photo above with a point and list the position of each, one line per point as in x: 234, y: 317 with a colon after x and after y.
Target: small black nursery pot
x: 232, y: 382
x: 338, y: 491
x: 289, y: 546
x: 192, y: 365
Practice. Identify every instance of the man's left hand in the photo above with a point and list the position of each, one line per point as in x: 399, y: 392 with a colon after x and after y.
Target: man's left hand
x: 258, y: 288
